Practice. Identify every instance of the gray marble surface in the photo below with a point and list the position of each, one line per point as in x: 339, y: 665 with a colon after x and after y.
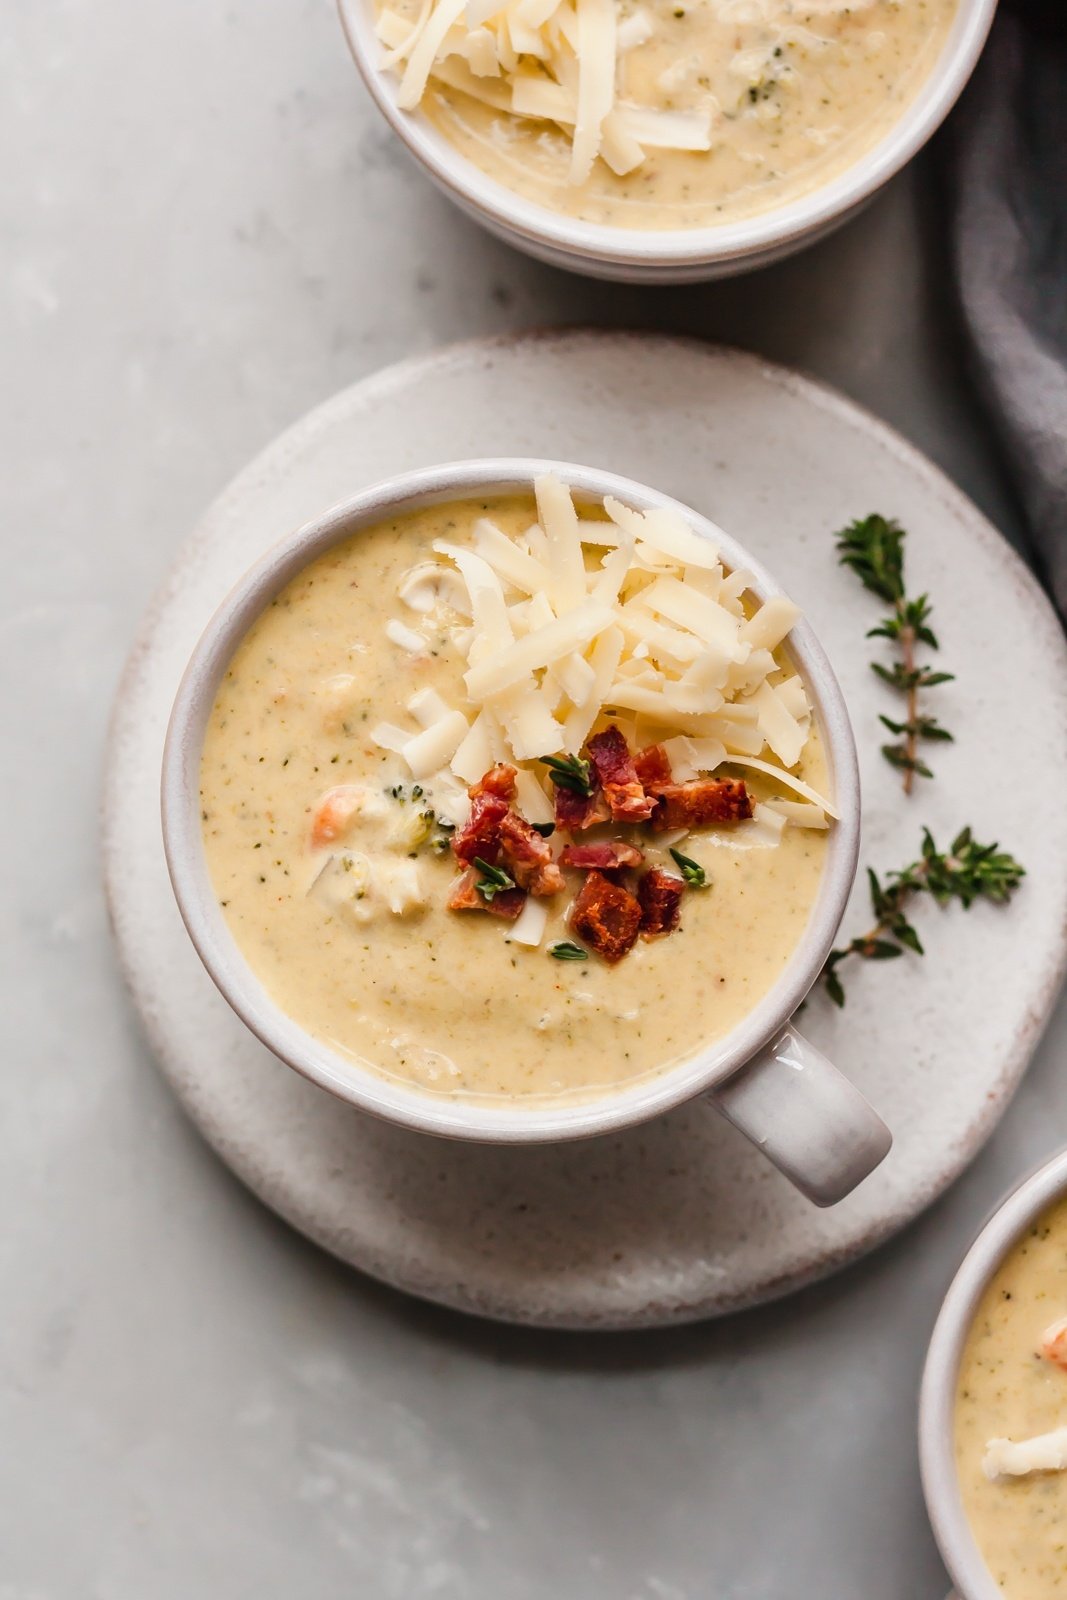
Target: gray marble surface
x: 205, y: 232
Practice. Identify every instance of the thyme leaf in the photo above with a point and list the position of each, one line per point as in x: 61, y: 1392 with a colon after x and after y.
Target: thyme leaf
x: 691, y: 870
x: 570, y: 772
x: 493, y: 879
x: 567, y: 950
x: 873, y: 547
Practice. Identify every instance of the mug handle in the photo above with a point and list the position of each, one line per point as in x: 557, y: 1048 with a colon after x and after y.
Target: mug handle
x: 806, y: 1117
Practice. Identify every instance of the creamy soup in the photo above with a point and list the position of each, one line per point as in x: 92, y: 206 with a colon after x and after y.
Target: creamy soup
x: 1013, y: 1387
x: 362, y: 948
x: 776, y: 97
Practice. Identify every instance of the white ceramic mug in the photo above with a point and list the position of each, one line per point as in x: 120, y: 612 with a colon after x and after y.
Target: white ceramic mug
x: 937, y: 1401
x: 678, y: 255
x: 773, y: 1085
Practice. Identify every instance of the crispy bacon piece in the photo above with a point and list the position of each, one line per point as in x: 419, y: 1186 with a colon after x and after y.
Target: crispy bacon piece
x: 608, y: 855
x: 660, y: 894
x: 653, y: 766
x: 499, y: 780
x: 506, y: 903
x: 614, y: 766
x: 480, y: 834
x: 577, y: 811
x: 528, y: 856
x: 606, y: 917
x: 495, y: 832
x: 696, y: 804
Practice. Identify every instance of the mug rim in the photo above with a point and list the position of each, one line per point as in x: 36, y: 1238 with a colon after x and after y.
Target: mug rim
x: 743, y: 242
x: 937, y: 1396
x: 345, y: 1076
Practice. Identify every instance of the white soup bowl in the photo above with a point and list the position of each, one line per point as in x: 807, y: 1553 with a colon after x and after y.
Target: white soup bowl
x: 762, y: 1075
x: 679, y: 255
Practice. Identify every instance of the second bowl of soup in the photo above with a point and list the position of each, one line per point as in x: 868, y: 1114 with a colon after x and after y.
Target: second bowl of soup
x: 664, y: 140
x: 513, y: 801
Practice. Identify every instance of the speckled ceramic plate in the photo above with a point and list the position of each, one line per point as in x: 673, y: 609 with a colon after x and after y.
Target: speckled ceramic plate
x: 681, y: 1218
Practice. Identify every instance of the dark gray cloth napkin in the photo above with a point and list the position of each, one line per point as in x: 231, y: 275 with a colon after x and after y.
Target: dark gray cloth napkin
x: 1006, y: 163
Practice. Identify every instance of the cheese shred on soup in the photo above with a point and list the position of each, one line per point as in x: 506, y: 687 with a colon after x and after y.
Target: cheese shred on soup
x: 662, y: 114
x: 510, y: 797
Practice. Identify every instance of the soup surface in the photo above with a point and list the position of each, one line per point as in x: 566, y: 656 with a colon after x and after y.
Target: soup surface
x: 447, y: 1001
x: 792, y: 92
x: 1013, y: 1387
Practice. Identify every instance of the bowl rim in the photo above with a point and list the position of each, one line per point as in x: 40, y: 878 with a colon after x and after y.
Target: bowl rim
x: 775, y: 229
x: 345, y: 1076
x: 1000, y: 1231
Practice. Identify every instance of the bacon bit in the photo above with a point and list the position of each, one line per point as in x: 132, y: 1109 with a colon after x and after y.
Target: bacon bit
x: 528, y: 856
x: 696, y: 804
x: 609, y: 855
x: 614, y: 765
x: 335, y: 813
x: 660, y: 894
x: 574, y: 812
x: 652, y: 765
x: 606, y: 917
x: 494, y: 829
x: 464, y: 896
x: 499, y: 780
x: 480, y: 834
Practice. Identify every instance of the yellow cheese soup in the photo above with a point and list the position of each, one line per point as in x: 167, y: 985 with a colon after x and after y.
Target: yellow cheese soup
x: 1011, y: 1402
x: 333, y: 850
x: 721, y: 108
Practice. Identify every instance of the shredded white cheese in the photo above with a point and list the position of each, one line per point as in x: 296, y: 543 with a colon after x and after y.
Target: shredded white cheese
x: 542, y: 647
x: 475, y: 755
x: 629, y: 618
x: 428, y: 707
x: 387, y: 736
x: 596, y: 82
x: 529, y: 926
x: 788, y: 779
x: 533, y: 801
x: 422, y: 51
x: 407, y: 639
x: 801, y: 813
x: 555, y: 61
x: 436, y: 745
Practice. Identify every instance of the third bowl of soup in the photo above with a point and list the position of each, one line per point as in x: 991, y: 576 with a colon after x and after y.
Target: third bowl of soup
x: 994, y: 1402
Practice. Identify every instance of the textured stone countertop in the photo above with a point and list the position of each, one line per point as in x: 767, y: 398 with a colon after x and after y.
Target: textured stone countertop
x: 207, y: 230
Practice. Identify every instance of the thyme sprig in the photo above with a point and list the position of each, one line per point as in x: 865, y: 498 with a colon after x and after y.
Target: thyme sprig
x: 493, y: 880
x: 570, y: 772
x: 873, y: 548
x: 967, y: 871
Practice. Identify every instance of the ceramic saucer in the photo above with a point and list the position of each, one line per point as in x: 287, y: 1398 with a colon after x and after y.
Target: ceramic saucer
x: 678, y: 1219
